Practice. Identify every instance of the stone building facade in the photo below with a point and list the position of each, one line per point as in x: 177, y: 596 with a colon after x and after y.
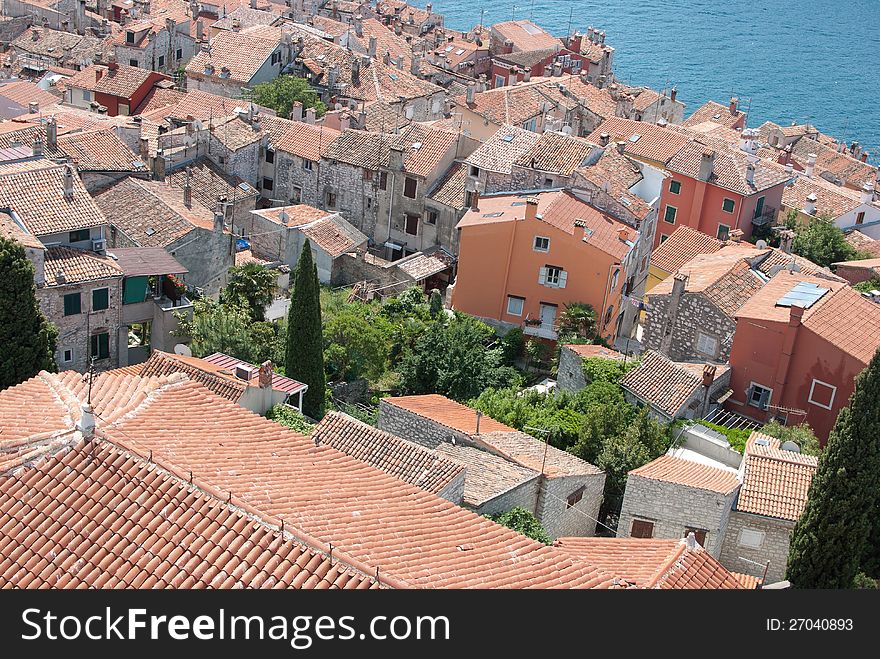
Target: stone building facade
x: 570, y: 375
x: 164, y: 49
x: 752, y: 541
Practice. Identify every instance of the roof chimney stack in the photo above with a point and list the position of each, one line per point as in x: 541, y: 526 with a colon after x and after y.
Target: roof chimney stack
x: 621, y: 146
x: 86, y: 423
x: 707, y: 164
x: 187, y: 190
x: 810, y: 205
x: 471, y: 93
x: 531, y: 208
x: 38, y: 149
x: 479, y: 416
x: 868, y: 192
x: 750, y: 174
x: 604, y: 138
x: 811, y: 164
x: 68, y: 182
x: 733, y: 103
x: 33, y: 107
x: 672, y: 94
x: 372, y: 48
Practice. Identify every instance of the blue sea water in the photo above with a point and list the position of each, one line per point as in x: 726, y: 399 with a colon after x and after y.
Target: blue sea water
x: 815, y: 61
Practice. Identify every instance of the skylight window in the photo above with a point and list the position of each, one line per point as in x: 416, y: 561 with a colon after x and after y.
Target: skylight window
x: 498, y: 214
x: 393, y: 76
x: 804, y: 294
x: 508, y: 138
x: 635, y: 138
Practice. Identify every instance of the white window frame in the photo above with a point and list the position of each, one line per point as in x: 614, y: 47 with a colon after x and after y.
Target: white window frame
x: 559, y: 281
x: 723, y: 210
x: 499, y: 81
x: 755, y: 534
x: 752, y: 385
x: 718, y: 231
x: 674, y: 217
x: 535, y: 244
x: 522, y: 304
x: 308, y: 165
x: 833, y: 394
x: 710, y: 353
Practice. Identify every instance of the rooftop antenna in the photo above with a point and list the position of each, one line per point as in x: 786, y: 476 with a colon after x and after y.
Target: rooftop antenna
x: 570, y: 13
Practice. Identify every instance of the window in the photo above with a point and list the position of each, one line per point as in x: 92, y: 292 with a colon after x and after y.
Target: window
x: 296, y: 195
x: 331, y: 200
x: 72, y: 304
x: 515, y: 305
x: 276, y: 57
x: 707, y: 345
x: 823, y: 394
x: 67, y: 356
x: 468, y: 198
x: 100, y: 299
x: 268, y: 184
x: 367, y: 174
x: 100, y: 346
x: 541, y: 244
x: 860, y: 218
x: 474, y: 170
x: 412, y: 225
x: 133, y: 62
x: 723, y: 232
x: 751, y: 538
x: 161, y: 60
x: 699, y: 535
x: 383, y: 180
x: 79, y: 236
x: 409, y: 187
x: 663, y: 238
x: 669, y: 216
x: 179, y: 54
x: 759, y: 207
x: 270, y: 156
x: 728, y: 205
x: 548, y: 182
x: 614, y: 279
x: 431, y: 216
x: 642, y: 529
x: 575, y: 497
x: 552, y: 276
x: 129, y: 36
x: 499, y: 81
x: 675, y: 187
x: 308, y: 165
x: 759, y: 396
x: 608, y: 314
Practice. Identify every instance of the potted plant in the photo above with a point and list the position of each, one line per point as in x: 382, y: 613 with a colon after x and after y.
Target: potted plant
x: 173, y: 287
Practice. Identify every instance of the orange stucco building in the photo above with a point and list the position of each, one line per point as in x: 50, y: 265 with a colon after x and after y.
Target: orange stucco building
x: 523, y: 257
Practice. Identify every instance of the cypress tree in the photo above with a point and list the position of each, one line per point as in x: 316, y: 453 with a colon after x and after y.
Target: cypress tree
x: 305, y: 344
x: 27, y: 339
x: 831, y: 536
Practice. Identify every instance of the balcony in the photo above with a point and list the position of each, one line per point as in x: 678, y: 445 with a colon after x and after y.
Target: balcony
x: 541, y: 330
x: 767, y: 217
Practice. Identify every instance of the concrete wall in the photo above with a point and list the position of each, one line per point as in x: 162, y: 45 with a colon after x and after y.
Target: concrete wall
x: 774, y: 548
x: 207, y: 255
x: 259, y: 400
x: 673, y: 508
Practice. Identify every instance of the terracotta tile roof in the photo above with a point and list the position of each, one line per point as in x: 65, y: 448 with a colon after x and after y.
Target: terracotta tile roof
x: 848, y: 321
x: 99, y: 150
x: 747, y: 581
x: 152, y: 213
x: 23, y: 93
x: 681, y: 247
x: 208, y: 183
x: 729, y: 169
x: 66, y: 48
x: 525, y: 35
x: 458, y: 50
x: 447, y: 412
x: 862, y: 264
x: 526, y: 57
x: 405, y: 460
x: 664, y: 384
x: 775, y: 482
x: 863, y: 243
x: 163, y: 363
x: 159, y: 97
x: 424, y: 148
x: 616, y: 174
x: 644, y: 97
x: 125, y: 82
x: 734, y: 287
x: 236, y: 133
x: 776, y: 260
x: 293, y: 216
x: 716, y: 113
x: 243, y: 53
x: 245, y: 17
x: 407, y: 13
x: 201, y: 105
x: 557, y: 153
x: 308, y: 141
x: 689, y: 474
x: 424, y: 264
x: 654, y: 143
x: 226, y: 365
x: 588, y: 351
x: 840, y: 168
x: 560, y: 209
x: 503, y: 149
x: 831, y: 199
x: 385, y: 117
x: 488, y: 476
x: 450, y: 189
x: 335, y: 235
x: 595, y: 51
x: 653, y: 563
x: 77, y: 266
x: 35, y: 191
x: 11, y: 231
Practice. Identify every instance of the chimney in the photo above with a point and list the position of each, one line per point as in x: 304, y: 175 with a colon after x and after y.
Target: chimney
x: 621, y: 146
x: 471, y: 93
x: 750, y: 174
x: 386, y: 58
x: 786, y: 237
x: 359, y: 25
x: 479, y: 416
x: 219, y: 219
x: 604, y: 138
x: 395, y: 158
x: 531, y: 208
x: 691, y: 541
x: 864, y: 157
x: 623, y: 234
x: 86, y: 423
x: 810, y: 204
x: 735, y: 235
x: 602, y: 37
x: 398, y: 30
x: 344, y: 120
x: 159, y: 168
x: 733, y: 103
x: 868, y: 192
x: 600, y: 82
x: 265, y: 375
x: 527, y: 74
x: 68, y: 182
x: 310, y: 115
x: 253, y: 4
x: 795, y: 315
x: 236, y: 25
x: 679, y: 284
x: 399, y: 62
x: 856, y: 149
x: 707, y: 163
x: 672, y: 94
x: 98, y: 73
x: 356, y: 71
x: 200, y: 30
x: 296, y: 112
x: 187, y: 190
x: 708, y: 375
x: 38, y: 148
x: 35, y: 34
x: 372, y: 48
x: 811, y: 163
x: 33, y: 107
x: 415, y: 65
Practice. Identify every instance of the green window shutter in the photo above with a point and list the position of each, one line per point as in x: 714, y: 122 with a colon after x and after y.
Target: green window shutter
x: 729, y: 205
x: 100, y: 299
x: 72, y: 304
x: 670, y: 214
x: 134, y: 290
x: 100, y: 346
x: 674, y: 187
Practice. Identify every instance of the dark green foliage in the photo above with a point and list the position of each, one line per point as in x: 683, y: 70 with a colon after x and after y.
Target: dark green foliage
x: 539, y: 353
x: 435, y: 303
x: 802, y: 435
x: 251, y: 286
x: 735, y: 437
x: 868, y: 286
x: 830, y: 541
x: 513, y: 345
x: 281, y: 93
x: 305, y: 357
x: 577, y: 321
x: 458, y: 359
x: 823, y: 243
x: 27, y: 339
x: 291, y: 418
x: 357, y: 343
x: 598, y: 369
x: 522, y: 521
x: 409, y: 303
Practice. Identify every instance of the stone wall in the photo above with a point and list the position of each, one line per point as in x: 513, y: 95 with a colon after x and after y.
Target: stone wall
x: 207, y: 255
x: 673, y: 508
x: 356, y: 193
x: 454, y: 491
x: 293, y: 183
x: 774, y: 548
x: 696, y: 313
x: 382, y: 275
x: 561, y: 520
x: 525, y: 495
x: 570, y: 375
x: 416, y: 428
x: 356, y: 391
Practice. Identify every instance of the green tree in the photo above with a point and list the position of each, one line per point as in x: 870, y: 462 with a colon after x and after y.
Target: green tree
x: 869, y: 285
x: 577, y: 321
x: 822, y: 242
x: 305, y: 356
x: 831, y: 536
x: 513, y: 345
x: 801, y: 434
x: 251, y: 285
x: 602, y: 424
x: 27, y: 339
x: 217, y: 327
x: 290, y: 418
x: 356, y: 344
x: 522, y: 521
x: 435, y: 303
x: 599, y: 369
x: 281, y: 93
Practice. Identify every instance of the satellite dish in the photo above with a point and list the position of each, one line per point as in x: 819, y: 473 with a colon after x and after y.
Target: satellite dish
x: 566, y: 130
x: 790, y: 446
x: 183, y: 349
x: 761, y: 244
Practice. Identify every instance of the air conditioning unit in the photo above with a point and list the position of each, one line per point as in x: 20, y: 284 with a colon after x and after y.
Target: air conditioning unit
x: 243, y: 372
x: 99, y: 244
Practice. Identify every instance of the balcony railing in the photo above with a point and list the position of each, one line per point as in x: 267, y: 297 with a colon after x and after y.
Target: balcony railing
x: 543, y: 330
x: 767, y: 216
